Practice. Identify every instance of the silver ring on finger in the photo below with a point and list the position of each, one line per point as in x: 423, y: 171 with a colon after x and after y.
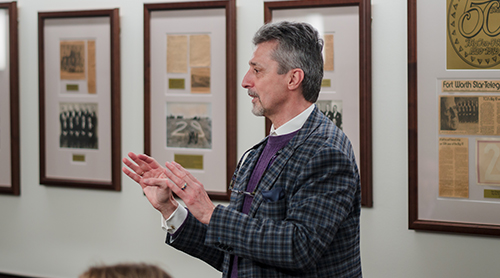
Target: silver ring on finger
x: 184, y: 186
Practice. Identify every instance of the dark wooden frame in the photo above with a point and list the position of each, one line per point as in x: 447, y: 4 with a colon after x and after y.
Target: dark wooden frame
x: 365, y: 79
x: 115, y: 183
x: 14, y: 188
x: 414, y: 222
x: 231, y: 120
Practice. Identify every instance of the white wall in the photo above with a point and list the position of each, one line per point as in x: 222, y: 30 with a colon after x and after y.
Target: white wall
x: 58, y: 232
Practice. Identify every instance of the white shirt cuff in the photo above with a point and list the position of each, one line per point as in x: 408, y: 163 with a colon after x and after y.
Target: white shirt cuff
x: 175, y: 220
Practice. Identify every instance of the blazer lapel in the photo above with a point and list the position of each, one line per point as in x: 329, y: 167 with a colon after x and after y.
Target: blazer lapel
x: 243, y: 173
x: 270, y: 176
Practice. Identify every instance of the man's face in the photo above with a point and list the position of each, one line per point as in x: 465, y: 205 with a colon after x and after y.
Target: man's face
x: 266, y: 87
x: 449, y: 115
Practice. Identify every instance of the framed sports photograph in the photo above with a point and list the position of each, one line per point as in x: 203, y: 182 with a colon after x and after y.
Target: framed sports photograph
x: 454, y: 116
x: 190, y: 89
x: 79, y: 99
x: 345, y: 97
x: 9, y: 101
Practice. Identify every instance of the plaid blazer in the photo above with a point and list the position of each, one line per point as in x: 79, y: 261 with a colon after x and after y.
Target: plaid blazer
x: 304, y: 219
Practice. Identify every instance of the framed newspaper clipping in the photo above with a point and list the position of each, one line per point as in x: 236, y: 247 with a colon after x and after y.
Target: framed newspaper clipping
x: 190, y: 88
x: 345, y: 95
x: 454, y: 116
x: 9, y: 101
x: 79, y: 91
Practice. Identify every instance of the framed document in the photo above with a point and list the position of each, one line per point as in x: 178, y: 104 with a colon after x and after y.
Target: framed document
x: 9, y: 101
x: 345, y: 97
x: 190, y: 88
x: 454, y: 116
x: 79, y: 87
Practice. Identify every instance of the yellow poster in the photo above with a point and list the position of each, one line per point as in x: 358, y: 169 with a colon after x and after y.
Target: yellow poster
x: 473, y: 34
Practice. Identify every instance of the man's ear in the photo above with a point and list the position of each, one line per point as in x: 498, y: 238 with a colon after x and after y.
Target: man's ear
x: 295, y: 80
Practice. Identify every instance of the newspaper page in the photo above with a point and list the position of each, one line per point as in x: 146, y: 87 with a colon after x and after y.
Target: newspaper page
x: 469, y: 115
x: 328, y: 51
x: 91, y: 67
x: 471, y: 86
x: 454, y: 167
x: 72, y: 60
x: 199, y: 51
x: 177, y: 53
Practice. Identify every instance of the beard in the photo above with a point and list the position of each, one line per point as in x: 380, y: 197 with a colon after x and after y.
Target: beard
x: 257, y: 109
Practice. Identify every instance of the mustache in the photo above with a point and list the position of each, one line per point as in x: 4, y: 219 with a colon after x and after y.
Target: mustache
x: 252, y: 93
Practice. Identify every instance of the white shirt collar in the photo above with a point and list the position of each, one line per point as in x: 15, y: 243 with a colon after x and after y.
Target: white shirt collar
x: 293, y: 124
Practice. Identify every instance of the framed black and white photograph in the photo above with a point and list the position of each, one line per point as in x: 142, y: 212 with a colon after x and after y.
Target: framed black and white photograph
x: 345, y: 96
x: 78, y: 125
x: 9, y: 101
x: 190, y: 89
x: 189, y: 125
x: 79, y: 99
x: 333, y: 110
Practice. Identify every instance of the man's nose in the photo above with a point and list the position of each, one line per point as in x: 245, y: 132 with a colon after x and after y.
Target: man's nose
x: 246, y: 82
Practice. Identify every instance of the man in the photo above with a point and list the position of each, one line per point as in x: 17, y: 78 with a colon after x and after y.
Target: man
x: 337, y: 117
x: 295, y: 202
x: 449, y: 114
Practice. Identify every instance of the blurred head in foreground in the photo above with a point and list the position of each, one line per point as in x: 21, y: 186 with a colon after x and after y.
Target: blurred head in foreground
x: 130, y: 270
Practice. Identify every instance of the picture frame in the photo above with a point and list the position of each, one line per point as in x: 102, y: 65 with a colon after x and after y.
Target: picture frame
x: 79, y: 99
x: 9, y: 101
x: 453, y: 184
x: 189, y: 108
x: 342, y: 24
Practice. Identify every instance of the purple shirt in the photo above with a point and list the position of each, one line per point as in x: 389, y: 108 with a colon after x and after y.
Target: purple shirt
x: 267, y: 157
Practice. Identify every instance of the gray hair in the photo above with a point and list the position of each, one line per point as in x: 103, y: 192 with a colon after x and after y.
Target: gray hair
x: 299, y: 46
